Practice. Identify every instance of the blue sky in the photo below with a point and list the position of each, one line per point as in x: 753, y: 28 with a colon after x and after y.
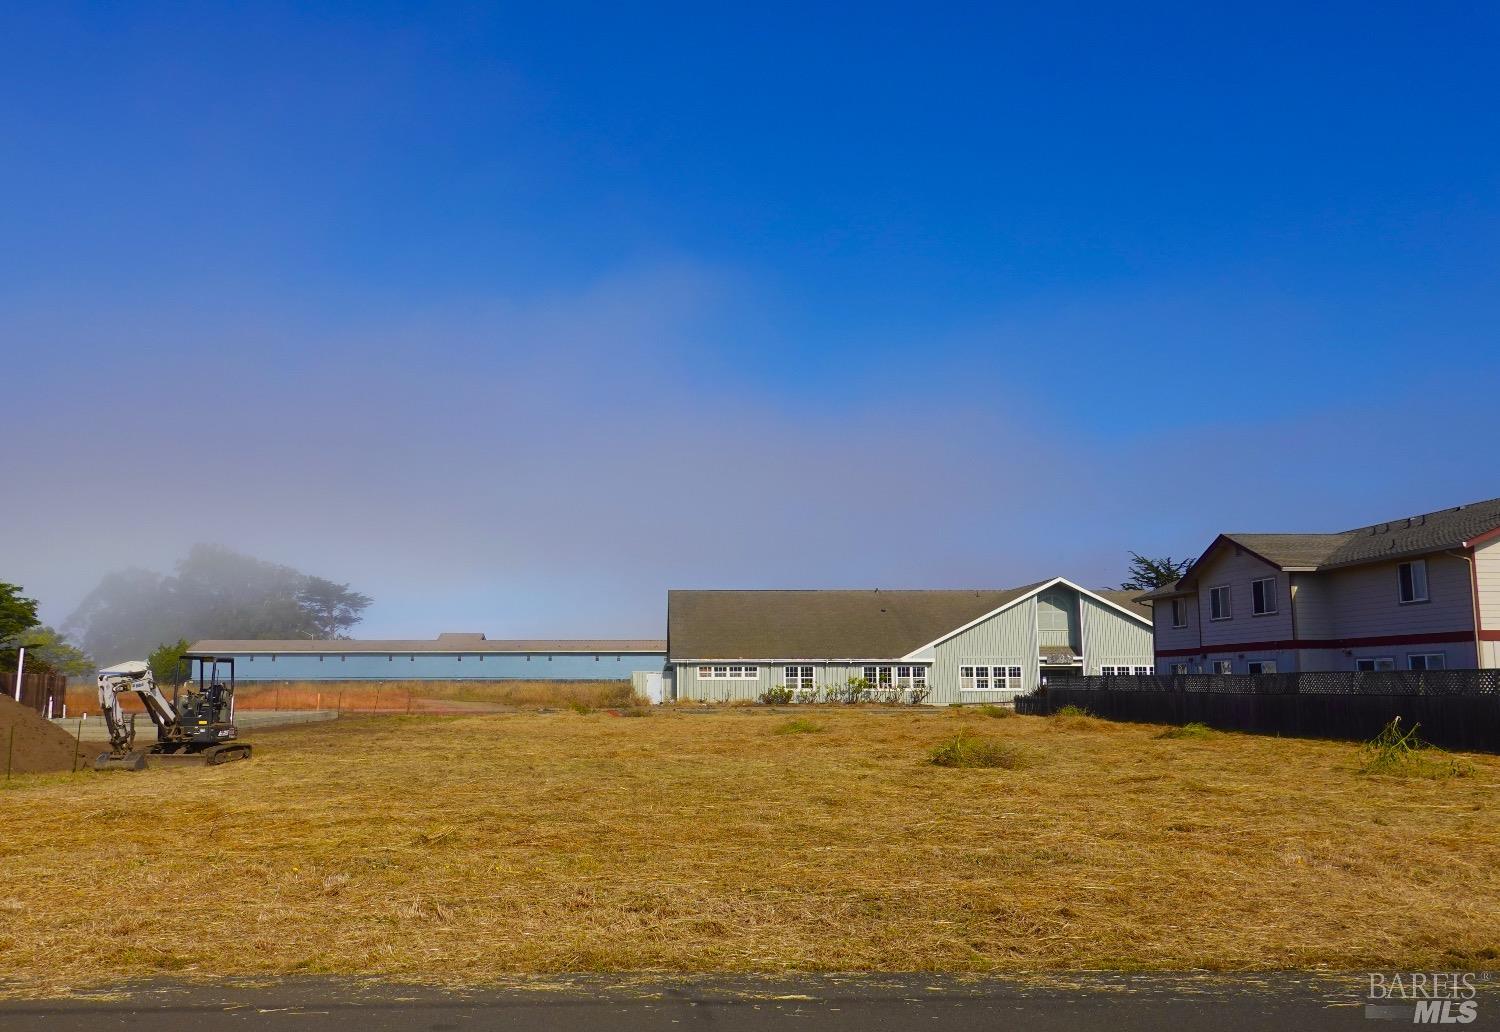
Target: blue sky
x: 517, y: 317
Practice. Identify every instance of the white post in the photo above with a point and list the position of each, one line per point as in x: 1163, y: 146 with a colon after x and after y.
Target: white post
x: 20, y: 669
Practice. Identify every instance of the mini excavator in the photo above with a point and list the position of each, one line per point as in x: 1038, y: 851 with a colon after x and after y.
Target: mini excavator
x: 193, y: 728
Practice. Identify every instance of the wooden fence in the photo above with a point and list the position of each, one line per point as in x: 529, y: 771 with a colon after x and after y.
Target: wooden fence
x: 1457, y: 709
x: 38, y: 687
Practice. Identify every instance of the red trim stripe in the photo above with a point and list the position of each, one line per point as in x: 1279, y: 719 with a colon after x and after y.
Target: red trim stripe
x: 1292, y: 644
x: 1489, y: 635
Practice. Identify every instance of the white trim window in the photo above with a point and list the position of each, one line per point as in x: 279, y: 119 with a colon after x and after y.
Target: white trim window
x: 728, y: 672
x: 1411, y: 581
x: 1179, y: 612
x: 1220, y: 603
x: 1143, y: 671
x: 1263, y: 596
x: 1427, y: 661
x: 1263, y: 666
x: 989, y: 678
x: 1123, y: 670
x: 1223, y: 666
x: 1375, y: 664
x: 879, y: 677
x: 911, y: 678
x: 798, y: 678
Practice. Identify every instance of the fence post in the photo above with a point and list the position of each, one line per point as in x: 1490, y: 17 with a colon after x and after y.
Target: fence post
x: 338, y: 706
x: 77, y: 744
x: 376, y: 707
x: 408, y: 700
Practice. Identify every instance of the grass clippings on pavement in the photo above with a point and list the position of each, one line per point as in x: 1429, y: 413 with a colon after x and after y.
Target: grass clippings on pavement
x: 470, y: 849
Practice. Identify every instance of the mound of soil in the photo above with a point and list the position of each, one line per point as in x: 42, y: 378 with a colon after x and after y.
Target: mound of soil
x: 41, y: 745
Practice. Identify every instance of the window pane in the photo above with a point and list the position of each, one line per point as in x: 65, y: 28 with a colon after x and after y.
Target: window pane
x: 1419, y: 579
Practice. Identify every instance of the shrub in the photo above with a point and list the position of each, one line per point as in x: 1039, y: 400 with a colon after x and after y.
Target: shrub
x: 967, y: 749
x: 1196, y: 729
x: 991, y: 710
x: 806, y: 696
x: 798, y: 726
x: 917, y: 696
x: 1071, y: 711
x: 777, y: 696
x: 1401, y: 754
x: 580, y: 707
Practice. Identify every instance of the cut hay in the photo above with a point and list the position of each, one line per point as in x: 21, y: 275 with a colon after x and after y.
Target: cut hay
x: 968, y: 749
x: 1401, y: 754
x: 467, y: 849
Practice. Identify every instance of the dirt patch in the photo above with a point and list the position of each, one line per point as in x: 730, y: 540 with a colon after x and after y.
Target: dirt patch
x: 40, y: 745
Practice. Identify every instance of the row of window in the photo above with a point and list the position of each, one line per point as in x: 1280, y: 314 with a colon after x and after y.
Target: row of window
x: 989, y: 678
x: 728, y: 673
x: 1411, y: 586
x: 1126, y: 671
x: 1414, y: 661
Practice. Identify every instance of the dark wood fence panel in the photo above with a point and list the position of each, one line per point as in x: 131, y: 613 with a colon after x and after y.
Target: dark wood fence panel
x: 1456, y: 709
x: 37, y: 687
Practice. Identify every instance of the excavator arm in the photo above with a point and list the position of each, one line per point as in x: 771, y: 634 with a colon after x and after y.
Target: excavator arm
x: 134, y: 676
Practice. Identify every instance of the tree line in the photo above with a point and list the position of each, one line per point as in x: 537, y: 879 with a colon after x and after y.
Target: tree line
x: 215, y: 592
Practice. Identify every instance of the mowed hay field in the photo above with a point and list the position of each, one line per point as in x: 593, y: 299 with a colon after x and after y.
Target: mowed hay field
x: 469, y: 849
x: 394, y: 696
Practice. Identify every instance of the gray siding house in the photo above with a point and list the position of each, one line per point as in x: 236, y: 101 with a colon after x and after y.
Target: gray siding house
x: 1416, y: 593
x: 963, y: 646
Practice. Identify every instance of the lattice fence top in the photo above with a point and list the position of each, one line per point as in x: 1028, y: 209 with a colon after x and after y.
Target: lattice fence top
x: 1385, y: 682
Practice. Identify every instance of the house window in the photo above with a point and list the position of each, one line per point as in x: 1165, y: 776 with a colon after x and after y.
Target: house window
x: 1179, y: 612
x: 728, y: 672
x: 1411, y: 581
x: 1427, y: 661
x: 1144, y: 671
x: 1374, y: 665
x: 1218, y: 603
x: 989, y: 678
x: 799, y: 678
x: 1263, y: 596
x: 879, y: 677
x: 1263, y: 666
x: 1223, y: 666
x: 911, y: 677
x: 1179, y: 668
x: 1113, y: 671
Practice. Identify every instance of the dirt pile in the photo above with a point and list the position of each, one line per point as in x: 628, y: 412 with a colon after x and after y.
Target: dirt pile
x: 40, y: 745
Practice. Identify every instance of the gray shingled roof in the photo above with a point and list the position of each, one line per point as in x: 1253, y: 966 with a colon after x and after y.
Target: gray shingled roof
x: 816, y: 624
x: 1408, y: 535
x: 445, y: 644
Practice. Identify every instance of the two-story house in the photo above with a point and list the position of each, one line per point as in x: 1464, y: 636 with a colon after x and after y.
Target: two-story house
x: 1416, y: 593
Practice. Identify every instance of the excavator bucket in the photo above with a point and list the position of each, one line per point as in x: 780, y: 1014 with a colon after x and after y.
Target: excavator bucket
x: 127, y: 761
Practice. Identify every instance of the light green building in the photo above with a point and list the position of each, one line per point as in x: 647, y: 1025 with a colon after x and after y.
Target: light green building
x: 961, y: 646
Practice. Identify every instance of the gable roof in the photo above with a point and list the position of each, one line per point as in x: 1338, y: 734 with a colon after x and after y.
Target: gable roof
x: 837, y: 624
x: 1409, y: 535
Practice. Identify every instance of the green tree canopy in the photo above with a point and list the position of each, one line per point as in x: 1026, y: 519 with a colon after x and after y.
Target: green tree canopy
x: 166, y: 661
x: 17, y: 613
x: 1147, y: 573
x: 48, y: 648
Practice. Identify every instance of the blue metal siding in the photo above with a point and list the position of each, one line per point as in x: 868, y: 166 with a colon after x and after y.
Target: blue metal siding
x: 490, y: 666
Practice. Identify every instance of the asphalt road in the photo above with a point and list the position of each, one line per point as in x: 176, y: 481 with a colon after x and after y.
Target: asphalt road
x: 1121, y: 1003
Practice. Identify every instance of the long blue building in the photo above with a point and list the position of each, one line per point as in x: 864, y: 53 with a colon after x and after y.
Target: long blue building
x: 448, y: 657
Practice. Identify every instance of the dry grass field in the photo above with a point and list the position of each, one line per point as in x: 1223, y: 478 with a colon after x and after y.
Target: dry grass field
x: 469, y: 849
x: 395, y: 696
